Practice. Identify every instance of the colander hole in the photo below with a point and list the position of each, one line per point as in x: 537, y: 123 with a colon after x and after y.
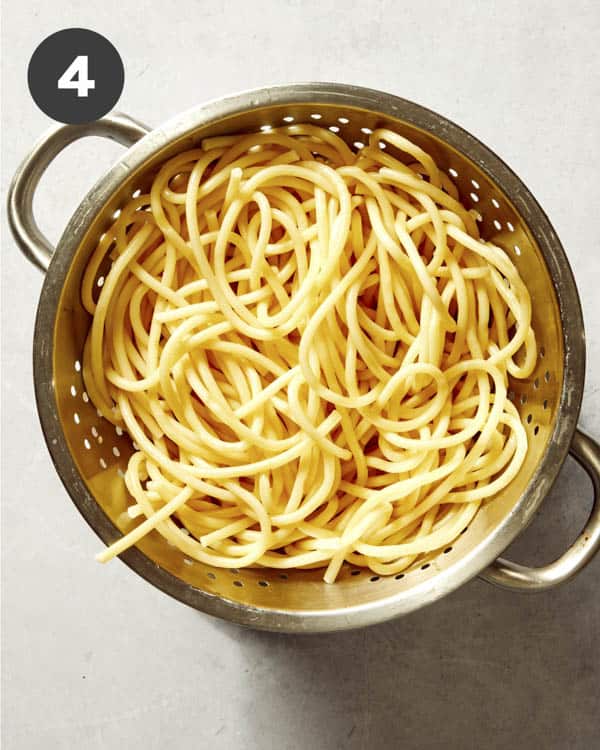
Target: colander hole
x: 366, y: 131
x: 100, y: 281
x: 283, y: 576
x: 373, y: 579
x: 517, y: 250
x: 511, y: 395
x: 288, y: 118
x: 529, y: 418
x: 334, y: 129
x: 453, y: 173
x: 94, y: 432
x: 119, y: 431
x: 475, y: 184
x: 239, y: 584
x: 478, y: 216
x: 448, y: 549
x: 85, y: 397
x: 100, y: 439
x: 545, y: 403
x: 542, y: 352
x: 497, y: 224
x: 464, y: 531
x: 212, y: 576
x: 136, y: 193
x: 117, y: 213
x: 316, y: 116
x: 382, y: 145
x: 510, y: 226
x: 73, y: 391
x: 424, y: 567
x: 536, y: 429
x: 234, y: 571
x: 355, y: 572
x: 77, y: 365
x: 547, y: 376
x: 475, y: 197
x: 266, y: 128
x: 187, y: 561
x: 495, y: 203
x: 343, y: 120
x: 116, y: 451
x: 358, y: 145
x: 98, y: 412
x: 399, y: 576
x: 255, y: 148
x: 76, y: 418
x: 523, y: 399
x: 87, y: 444
x: 103, y: 464
x: 536, y: 383
x: 264, y: 584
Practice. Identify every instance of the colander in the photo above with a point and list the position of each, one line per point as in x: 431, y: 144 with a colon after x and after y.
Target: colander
x: 90, y: 456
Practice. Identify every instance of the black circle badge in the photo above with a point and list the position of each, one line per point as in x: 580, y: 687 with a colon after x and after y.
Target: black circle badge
x: 75, y: 76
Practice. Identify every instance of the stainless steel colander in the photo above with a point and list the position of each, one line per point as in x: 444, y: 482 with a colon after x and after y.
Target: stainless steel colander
x: 90, y: 456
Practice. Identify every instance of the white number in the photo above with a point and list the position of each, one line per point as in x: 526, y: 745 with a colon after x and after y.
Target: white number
x: 76, y: 77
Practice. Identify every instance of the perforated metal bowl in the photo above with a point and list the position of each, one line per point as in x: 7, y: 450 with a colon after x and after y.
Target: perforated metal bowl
x: 91, y: 457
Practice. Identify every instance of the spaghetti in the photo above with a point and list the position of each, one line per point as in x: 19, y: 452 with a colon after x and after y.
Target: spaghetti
x: 310, y: 349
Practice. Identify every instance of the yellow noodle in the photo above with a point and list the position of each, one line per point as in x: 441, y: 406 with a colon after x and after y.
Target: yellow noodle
x: 311, y: 349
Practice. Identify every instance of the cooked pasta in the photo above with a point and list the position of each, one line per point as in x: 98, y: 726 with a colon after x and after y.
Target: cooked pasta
x: 310, y: 349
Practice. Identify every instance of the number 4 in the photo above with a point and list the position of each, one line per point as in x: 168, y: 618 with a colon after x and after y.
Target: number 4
x: 76, y: 77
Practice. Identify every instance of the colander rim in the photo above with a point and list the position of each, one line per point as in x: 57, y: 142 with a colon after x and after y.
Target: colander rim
x: 468, y: 566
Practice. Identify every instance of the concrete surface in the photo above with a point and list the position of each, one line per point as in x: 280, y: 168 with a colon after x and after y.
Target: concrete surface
x: 95, y: 658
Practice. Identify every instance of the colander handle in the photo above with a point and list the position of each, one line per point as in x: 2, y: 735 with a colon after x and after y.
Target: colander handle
x: 517, y: 577
x: 28, y: 236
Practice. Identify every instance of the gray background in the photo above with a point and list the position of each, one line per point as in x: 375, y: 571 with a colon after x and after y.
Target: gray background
x: 95, y: 658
